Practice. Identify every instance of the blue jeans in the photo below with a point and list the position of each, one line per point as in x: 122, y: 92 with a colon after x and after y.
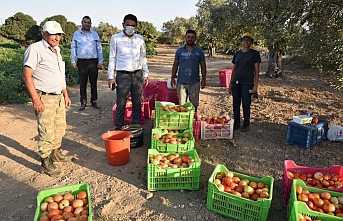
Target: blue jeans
x: 126, y: 83
x: 240, y: 94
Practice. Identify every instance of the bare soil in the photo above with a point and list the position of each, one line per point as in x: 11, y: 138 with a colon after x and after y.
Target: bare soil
x: 120, y: 192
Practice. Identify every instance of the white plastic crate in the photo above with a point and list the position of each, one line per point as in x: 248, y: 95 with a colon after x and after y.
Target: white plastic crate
x: 302, y: 119
x: 217, y: 131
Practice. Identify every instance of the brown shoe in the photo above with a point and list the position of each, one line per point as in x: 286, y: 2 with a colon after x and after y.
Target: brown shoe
x: 49, y: 168
x: 58, y: 156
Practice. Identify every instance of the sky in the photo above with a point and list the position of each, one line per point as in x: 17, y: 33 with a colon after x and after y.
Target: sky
x: 154, y: 11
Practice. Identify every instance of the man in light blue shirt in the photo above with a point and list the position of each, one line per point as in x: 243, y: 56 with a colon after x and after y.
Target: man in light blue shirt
x: 86, y: 46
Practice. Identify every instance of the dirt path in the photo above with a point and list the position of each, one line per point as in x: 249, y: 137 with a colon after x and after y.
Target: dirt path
x: 120, y: 193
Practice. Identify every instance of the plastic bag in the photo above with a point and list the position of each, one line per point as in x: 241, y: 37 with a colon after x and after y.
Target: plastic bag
x: 335, y: 133
x: 169, y: 84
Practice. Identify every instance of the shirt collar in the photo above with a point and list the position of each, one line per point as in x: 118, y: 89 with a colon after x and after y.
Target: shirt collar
x: 90, y: 31
x: 46, y: 44
x: 123, y: 35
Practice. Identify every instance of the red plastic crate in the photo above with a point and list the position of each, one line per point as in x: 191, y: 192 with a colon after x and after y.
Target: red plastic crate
x: 150, y: 93
x: 290, y: 166
x: 196, y: 129
x: 166, y: 94
x: 225, y: 77
x: 128, y: 114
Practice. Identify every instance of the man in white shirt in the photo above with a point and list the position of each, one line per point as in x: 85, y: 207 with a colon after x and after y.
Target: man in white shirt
x: 128, y: 57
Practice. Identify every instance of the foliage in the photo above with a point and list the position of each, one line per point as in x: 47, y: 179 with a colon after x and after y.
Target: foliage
x: 173, y: 31
x: 20, y: 28
x: 105, y: 31
x: 68, y: 27
x: 150, y: 34
x: 12, y: 87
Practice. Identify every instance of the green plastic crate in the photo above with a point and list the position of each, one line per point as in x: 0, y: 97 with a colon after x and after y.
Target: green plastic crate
x: 74, y: 189
x: 236, y: 207
x: 174, y: 120
x: 174, y: 178
x: 172, y: 148
x: 300, y: 207
x: 293, y: 197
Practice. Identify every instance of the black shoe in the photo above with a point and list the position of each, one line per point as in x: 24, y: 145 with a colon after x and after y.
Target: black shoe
x: 236, y: 127
x: 83, y: 106
x: 245, y: 129
x: 95, y: 105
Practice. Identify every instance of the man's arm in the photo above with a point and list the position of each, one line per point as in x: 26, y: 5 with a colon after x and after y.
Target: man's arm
x: 203, y: 74
x: 27, y: 77
x: 73, y: 51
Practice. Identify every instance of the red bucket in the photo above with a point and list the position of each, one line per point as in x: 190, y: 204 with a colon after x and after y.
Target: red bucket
x: 117, y: 144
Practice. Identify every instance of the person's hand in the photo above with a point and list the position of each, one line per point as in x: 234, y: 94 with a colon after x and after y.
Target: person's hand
x: 203, y: 83
x: 172, y: 82
x: 145, y: 81
x: 99, y: 66
x: 110, y: 82
x: 230, y: 88
x: 73, y: 65
x: 67, y: 101
x: 38, y: 105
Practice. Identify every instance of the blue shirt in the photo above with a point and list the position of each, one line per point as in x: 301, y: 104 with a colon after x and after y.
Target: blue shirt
x: 86, y: 46
x: 189, y: 62
x: 245, y: 66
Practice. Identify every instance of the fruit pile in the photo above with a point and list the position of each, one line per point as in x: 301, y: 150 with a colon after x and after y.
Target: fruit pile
x: 172, y: 139
x: 175, y: 160
x: 227, y: 182
x: 319, y: 180
x: 174, y: 108
x: 215, y: 119
x: 65, y: 207
x: 306, y: 218
x: 322, y: 202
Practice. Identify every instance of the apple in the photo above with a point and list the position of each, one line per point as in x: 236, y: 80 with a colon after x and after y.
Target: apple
x: 249, y: 190
x: 318, y: 175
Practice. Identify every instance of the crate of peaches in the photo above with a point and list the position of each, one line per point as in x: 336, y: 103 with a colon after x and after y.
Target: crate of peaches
x: 216, y: 127
x: 327, y: 203
x: 173, y: 171
x: 324, y: 178
x: 172, y: 140
x: 239, y: 196
x: 72, y: 203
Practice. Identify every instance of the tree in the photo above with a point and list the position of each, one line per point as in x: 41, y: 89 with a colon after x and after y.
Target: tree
x: 105, y: 31
x: 150, y: 34
x: 20, y: 28
x: 68, y: 27
x: 173, y: 31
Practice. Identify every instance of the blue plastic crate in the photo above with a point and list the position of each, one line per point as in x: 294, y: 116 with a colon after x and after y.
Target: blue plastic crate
x: 306, y: 136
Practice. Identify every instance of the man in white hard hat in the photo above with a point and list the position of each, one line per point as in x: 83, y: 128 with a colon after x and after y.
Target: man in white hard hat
x: 44, y: 77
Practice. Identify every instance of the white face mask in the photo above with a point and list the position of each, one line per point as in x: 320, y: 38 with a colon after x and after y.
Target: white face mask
x: 129, y: 30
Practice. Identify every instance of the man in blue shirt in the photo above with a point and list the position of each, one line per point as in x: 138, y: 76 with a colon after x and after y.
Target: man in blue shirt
x: 86, y: 46
x: 186, y: 63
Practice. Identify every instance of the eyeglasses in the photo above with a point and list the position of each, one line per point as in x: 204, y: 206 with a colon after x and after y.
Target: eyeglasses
x: 246, y: 39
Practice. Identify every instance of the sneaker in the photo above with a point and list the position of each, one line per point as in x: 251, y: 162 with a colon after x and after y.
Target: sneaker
x: 236, y: 127
x: 245, y: 129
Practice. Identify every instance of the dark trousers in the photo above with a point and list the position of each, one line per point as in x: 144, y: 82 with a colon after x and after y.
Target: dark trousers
x: 240, y: 94
x: 87, y: 69
x: 126, y: 83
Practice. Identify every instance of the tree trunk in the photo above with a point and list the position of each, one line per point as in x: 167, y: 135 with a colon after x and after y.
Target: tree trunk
x: 274, y: 69
x: 270, y: 68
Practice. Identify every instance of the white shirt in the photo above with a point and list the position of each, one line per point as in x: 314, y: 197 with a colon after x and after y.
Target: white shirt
x: 127, y: 54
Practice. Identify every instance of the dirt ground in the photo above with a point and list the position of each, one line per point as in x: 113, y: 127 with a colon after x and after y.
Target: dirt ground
x: 120, y: 192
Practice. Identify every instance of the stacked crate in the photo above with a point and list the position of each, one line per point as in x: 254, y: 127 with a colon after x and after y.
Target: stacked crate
x: 177, y: 124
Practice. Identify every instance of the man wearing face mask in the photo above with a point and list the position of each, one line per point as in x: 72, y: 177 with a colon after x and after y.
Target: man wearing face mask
x: 128, y: 58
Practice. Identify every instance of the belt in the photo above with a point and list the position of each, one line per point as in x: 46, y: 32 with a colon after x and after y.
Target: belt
x: 44, y: 93
x: 87, y: 59
x: 129, y: 72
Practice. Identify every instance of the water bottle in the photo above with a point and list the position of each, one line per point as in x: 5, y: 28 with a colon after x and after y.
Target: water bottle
x: 309, y: 112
